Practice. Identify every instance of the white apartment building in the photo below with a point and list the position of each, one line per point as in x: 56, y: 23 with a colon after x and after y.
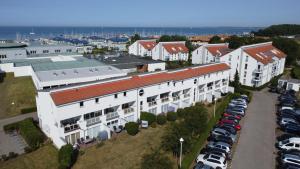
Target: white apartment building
x: 208, y: 53
x: 170, y: 51
x: 256, y: 64
x: 96, y: 109
x: 142, y: 47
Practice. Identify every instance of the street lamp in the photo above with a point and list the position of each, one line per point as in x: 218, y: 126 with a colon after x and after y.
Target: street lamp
x: 181, y: 141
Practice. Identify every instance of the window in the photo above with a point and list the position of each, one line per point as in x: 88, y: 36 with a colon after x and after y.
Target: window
x: 57, y: 51
x: 116, y: 96
x: 69, y: 50
x: 246, y: 66
x: 81, y: 104
x: 97, y: 100
x: 141, y: 92
x: 45, y: 51
x: 246, y: 58
x: 124, y: 93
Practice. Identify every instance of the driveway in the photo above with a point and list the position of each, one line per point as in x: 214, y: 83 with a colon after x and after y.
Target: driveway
x: 255, y: 149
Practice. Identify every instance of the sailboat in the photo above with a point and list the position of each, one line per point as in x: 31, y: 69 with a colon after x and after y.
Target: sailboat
x: 32, y: 33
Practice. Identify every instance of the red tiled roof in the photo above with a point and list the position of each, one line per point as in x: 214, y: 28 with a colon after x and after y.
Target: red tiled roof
x: 218, y: 50
x: 149, y: 45
x: 174, y: 48
x: 96, y: 90
x: 264, y: 53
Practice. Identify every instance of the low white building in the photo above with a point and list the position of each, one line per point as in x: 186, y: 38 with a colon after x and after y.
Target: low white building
x: 84, y: 49
x: 142, y: 47
x: 170, y: 51
x: 70, y: 114
x: 256, y: 64
x: 289, y: 84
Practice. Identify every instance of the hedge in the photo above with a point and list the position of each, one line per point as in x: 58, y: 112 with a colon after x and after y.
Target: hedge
x: 132, y: 128
x: 32, y: 135
x: 161, y: 119
x: 171, y: 116
x: 148, y: 117
x: 28, y: 110
x: 67, y: 156
x: 180, y: 113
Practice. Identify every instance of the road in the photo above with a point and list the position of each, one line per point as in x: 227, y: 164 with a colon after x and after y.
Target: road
x: 255, y: 148
x: 6, y: 121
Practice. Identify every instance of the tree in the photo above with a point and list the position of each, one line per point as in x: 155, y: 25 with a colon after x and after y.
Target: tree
x: 236, y: 82
x: 156, y: 160
x: 289, y: 47
x: 135, y: 38
x: 148, y: 117
x: 196, y: 119
x: 215, y: 39
x: 67, y: 156
x: 161, y: 119
x: 132, y: 128
x: 279, y: 30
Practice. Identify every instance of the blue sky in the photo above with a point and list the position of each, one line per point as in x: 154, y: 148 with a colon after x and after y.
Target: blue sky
x: 160, y: 13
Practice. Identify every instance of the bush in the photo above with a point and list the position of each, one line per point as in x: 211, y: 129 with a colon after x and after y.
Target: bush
x: 28, y: 149
x: 153, y: 125
x: 12, y: 155
x: 4, y: 157
x: 156, y: 160
x: 148, y: 117
x: 132, y: 128
x: 67, y: 156
x: 180, y: 113
x: 28, y: 110
x: 10, y: 127
x: 161, y: 119
x: 100, y: 144
x: 171, y: 116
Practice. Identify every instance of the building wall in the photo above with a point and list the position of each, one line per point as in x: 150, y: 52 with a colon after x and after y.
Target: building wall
x: 14, y: 53
x: 49, y: 49
x: 50, y: 114
x: 155, y: 66
x: 160, y: 53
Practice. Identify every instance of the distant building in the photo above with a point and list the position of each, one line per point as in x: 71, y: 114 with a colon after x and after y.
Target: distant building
x: 289, y: 84
x: 38, y: 49
x: 170, y: 51
x: 84, y: 49
x: 12, y: 50
x: 142, y: 47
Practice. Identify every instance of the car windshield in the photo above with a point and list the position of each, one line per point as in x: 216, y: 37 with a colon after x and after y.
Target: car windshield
x: 213, y: 161
x: 285, y: 141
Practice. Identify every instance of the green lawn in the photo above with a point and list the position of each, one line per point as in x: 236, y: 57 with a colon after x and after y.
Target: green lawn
x: 43, y: 158
x: 16, y: 94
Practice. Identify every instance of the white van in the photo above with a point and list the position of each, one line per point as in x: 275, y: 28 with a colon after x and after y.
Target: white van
x: 290, y: 144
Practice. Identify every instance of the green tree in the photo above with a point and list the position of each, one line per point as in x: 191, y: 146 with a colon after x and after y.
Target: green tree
x: 289, y: 47
x: 135, y: 38
x: 196, y: 119
x: 278, y: 30
x: 66, y: 156
x: 132, y: 128
x: 148, y: 117
x: 215, y: 39
x: 156, y: 160
x: 236, y: 83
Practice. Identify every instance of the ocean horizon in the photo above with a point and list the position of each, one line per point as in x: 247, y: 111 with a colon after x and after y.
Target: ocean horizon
x: 23, y: 32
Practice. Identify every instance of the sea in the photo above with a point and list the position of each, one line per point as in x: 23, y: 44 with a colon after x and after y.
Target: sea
x: 21, y: 32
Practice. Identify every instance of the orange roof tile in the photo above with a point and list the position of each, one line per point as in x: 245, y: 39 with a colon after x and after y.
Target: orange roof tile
x: 96, y: 90
x: 264, y: 53
x: 174, y: 48
x: 149, y: 45
x: 218, y: 50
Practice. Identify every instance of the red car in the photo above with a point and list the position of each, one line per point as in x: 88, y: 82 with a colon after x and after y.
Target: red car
x: 230, y: 122
x: 238, y: 117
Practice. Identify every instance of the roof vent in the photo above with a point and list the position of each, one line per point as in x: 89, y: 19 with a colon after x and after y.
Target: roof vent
x: 55, y: 74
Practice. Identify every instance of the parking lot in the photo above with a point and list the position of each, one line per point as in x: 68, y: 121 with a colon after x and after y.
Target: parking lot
x: 255, y: 148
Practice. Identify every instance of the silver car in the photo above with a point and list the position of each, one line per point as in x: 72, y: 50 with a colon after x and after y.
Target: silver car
x: 222, y: 132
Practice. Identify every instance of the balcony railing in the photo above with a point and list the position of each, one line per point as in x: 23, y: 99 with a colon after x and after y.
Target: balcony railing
x: 258, y: 71
x: 186, y: 95
x: 112, y: 115
x: 128, y: 110
x: 257, y: 78
x: 201, y: 90
x: 71, y: 127
x: 218, y: 85
x: 209, y: 88
x: 92, y: 121
x: 175, y: 98
x: 153, y: 103
x: 164, y: 99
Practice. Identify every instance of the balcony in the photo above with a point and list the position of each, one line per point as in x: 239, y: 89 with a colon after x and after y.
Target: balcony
x: 165, y: 99
x: 175, y: 98
x: 257, y: 78
x: 186, y: 95
x: 71, y: 127
x: 93, y: 121
x: 209, y: 88
x: 152, y: 103
x: 112, y: 115
x: 258, y: 71
x: 128, y: 110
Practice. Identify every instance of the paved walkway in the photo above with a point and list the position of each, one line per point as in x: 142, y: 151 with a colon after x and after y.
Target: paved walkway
x: 255, y: 149
x: 13, y: 142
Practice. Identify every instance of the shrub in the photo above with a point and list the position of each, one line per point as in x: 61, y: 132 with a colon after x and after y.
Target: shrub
x: 4, y: 157
x: 132, y: 128
x: 67, y: 156
x: 12, y: 155
x: 180, y: 113
x: 28, y: 110
x: 148, y: 117
x: 153, y: 125
x: 156, y: 160
x: 28, y: 149
x: 161, y: 119
x: 10, y: 127
x: 171, y: 116
x: 100, y: 144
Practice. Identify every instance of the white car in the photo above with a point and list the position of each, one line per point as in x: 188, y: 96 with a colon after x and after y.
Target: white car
x: 290, y: 159
x: 285, y: 120
x: 217, y: 162
x: 219, y: 145
x: 290, y: 144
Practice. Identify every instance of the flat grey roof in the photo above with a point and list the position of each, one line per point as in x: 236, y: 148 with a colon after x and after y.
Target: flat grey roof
x: 127, y: 61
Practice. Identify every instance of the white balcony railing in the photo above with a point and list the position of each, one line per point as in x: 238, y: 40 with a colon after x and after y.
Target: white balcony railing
x: 112, y: 115
x: 209, y: 88
x: 128, y: 110
x: 153, y: 103
x: 186, y: 95
x: 92, y: 121
x: 175, y: 98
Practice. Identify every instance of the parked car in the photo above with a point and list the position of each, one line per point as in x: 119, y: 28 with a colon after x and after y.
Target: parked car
x: 222, y: 132
x: 286, y: 136
x: 220, y: 138
x: 245, y: 97
x: 238, y: 117
x: 202, y: 166
x: 230, y: 122
x: 219, y: 145
x: 217, y: 162
x: 291, y: 128
x: 289, y: 144
x: 218, y: 152
x: 227, y: 127
x: 290, y: 159
x: 235, y: 111
x: 285, y: 120
x: 230, y: 118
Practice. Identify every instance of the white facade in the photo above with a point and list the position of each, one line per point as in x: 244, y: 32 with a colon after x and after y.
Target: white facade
x: 49, y: 49
x: 161, y: 52
x: 142, y: 47
x: 118, y: 108
x: 289, y: 84
x: 202, y: 55
x: 84, y: 49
